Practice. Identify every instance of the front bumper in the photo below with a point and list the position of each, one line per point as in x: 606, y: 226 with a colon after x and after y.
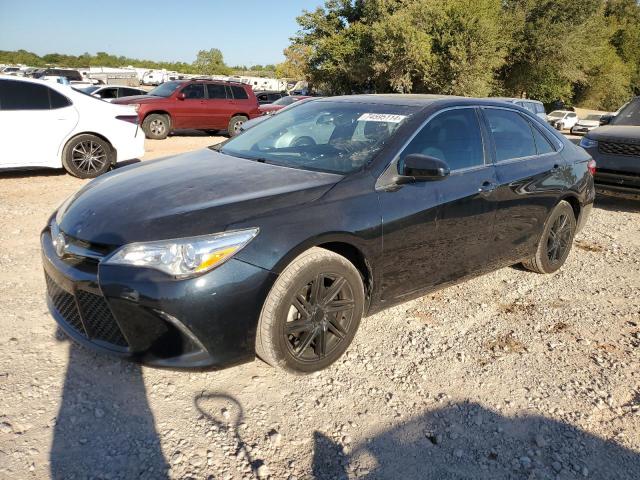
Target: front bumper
x: 206, y: 322
x: 616, y: 173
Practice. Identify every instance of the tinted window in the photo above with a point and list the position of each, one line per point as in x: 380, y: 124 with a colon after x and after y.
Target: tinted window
x: 129, y: 92
x: 274, y: 96
x: 511, y: 134
x: 542, y: 144
x: 23, y: 96
x: 194, y: 91
x: 453, y: 136
x: 262, y: 97
x: 108, y: 93
x: 572, y: 115
x: 216, y: 91
x: 239, y: 93
x: 58, y: 100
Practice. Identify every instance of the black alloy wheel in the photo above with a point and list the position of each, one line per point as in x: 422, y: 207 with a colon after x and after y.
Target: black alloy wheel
x: 556, y: 240
x: 319, y: 318
x: 559, y: 239
x: 312, y: 312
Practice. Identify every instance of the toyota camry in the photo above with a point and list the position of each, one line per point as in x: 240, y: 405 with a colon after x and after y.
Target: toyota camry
x: 278, y: 242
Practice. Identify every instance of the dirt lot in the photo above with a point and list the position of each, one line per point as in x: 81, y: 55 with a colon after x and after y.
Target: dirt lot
x: 511, y: 375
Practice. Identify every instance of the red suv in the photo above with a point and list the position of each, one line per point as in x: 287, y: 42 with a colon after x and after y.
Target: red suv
x: 200, y: 104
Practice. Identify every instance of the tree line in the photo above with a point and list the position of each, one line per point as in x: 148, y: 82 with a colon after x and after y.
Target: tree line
x: 583, y: 52
x: 207, y: 62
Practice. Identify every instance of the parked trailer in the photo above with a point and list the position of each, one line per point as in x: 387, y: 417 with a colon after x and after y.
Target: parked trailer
x: 114, y: 76
x: 260, y: 84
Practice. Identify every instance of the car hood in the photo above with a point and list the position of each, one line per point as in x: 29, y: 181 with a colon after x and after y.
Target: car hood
x: 138, y: 99
x: 270, y: 108
x: 616, y: 133
x: 191, y: 194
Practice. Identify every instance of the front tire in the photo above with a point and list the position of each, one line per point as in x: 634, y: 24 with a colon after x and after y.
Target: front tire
x: 235, y: 124
x: 156, y: 126
x: 556, y: 240
x: 87, y: 156
x: 311, y: 313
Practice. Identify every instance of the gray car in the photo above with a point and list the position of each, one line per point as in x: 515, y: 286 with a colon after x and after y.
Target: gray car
x: 615, y: 146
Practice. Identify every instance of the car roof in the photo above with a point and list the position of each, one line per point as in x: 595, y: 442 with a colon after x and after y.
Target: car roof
x: 515, y: 99
x: 117, y: 86
x: 416, y: 100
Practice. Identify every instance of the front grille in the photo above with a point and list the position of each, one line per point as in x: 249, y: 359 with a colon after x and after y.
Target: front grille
x: 65, y: 304
x: 612, y: 148
x: 98, y: 319
x: 93, y: 320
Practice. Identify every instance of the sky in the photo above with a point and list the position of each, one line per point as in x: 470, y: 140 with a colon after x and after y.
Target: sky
x: 248, y: 32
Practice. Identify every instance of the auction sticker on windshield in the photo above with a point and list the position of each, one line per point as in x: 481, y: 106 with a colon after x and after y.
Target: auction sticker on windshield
x: 381, y: 117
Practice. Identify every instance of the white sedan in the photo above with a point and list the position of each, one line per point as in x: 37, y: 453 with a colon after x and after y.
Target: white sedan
x: 562, y: 119
x: 111, y: 92
x: 45, y: 124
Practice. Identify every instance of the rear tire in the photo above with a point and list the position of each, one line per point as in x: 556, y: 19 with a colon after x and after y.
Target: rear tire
x: 234, y: 125
x: 156, y: 126
x: 87, y: 156
x: 555, y: 242
x: 312, y: 313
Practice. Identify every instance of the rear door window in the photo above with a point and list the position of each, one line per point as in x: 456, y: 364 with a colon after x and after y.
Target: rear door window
x: 23, y: 96
x: 58, y: 100
x: 512, y: 135
x: 216, y: 91
x: 453, y: 136
x: 542, y: 143
x: 129, y: 92
x: 239, y: 93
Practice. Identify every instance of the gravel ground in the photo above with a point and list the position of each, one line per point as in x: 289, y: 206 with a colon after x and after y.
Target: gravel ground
x: 511, y: 375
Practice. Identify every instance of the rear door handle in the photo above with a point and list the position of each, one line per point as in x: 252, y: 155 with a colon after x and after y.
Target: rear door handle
x: 487, y: 187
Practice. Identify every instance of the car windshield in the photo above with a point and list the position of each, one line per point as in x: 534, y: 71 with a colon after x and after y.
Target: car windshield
x: 166, y: 89
x: 629, y: 115
x: 556, y: 114
x: 335, y: 137
x: 284, y: 101
x: 593, y: 117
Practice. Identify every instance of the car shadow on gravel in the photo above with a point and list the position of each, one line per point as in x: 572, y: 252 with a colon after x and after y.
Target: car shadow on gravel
x: 467, y: 441
x: 104, y: 428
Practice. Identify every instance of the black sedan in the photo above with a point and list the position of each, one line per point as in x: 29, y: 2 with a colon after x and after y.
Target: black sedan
x: 280, y: 240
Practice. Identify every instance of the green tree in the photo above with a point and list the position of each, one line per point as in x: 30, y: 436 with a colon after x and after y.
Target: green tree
x: 210, y: 62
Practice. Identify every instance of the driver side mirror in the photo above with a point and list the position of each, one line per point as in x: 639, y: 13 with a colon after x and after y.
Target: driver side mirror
x: 606, y: 119
x: 420, y: 167
x: 181, y: 96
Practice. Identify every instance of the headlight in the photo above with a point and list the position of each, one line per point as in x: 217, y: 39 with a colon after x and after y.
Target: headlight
x: 588, y: 143
x: 184, y: 257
